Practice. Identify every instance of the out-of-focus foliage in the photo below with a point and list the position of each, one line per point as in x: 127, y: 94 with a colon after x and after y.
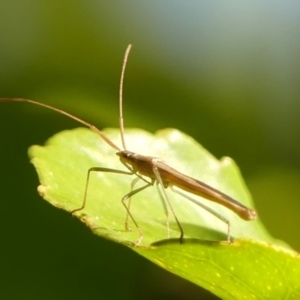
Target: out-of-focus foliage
x: 225, y: 73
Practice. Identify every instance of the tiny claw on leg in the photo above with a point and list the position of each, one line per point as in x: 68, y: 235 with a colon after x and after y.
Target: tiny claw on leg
x: 181, y: 238
x: 72, y: 212
x: 168, y: 227
x: 229, y: 241
x: 138, y: 241
x: 228, y: 234
x: 127, y: 228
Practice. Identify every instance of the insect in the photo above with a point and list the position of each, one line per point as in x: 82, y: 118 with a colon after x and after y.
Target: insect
x: 152, y: 170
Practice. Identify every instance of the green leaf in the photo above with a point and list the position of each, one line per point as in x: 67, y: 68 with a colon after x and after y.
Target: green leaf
x: 245, y: 269
x: 62, y: 166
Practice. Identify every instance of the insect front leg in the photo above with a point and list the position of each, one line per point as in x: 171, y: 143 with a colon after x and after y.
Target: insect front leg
x: 95, y: 169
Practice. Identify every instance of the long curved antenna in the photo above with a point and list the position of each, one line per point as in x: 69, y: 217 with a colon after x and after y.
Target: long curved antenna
x: 121, y: 121
x: 91, y: 126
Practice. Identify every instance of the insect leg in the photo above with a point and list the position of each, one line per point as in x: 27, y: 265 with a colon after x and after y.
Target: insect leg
x: 159, y: 180
x: 161, y: 196
x: 139, y: 176
x: 128, y: 196
x: 95, y: 169
x: 207, y: 208
x: 133, y: 182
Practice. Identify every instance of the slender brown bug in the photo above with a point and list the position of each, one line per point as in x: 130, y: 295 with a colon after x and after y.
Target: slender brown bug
x: 152, y: 171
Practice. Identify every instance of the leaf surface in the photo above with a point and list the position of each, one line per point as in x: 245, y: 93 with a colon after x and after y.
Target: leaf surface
x: 228, y: 270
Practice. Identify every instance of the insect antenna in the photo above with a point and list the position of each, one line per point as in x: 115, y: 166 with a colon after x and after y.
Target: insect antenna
x: 121, y: 121
x: 91, y: 126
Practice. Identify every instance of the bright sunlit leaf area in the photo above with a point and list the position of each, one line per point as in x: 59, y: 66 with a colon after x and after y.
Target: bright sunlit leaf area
x: 205, y: 258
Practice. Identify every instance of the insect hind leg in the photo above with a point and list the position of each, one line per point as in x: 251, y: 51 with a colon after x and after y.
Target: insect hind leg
x: 217, y: 215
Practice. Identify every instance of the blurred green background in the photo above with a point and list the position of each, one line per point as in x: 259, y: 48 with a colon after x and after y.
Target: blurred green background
x: 226, y: 73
